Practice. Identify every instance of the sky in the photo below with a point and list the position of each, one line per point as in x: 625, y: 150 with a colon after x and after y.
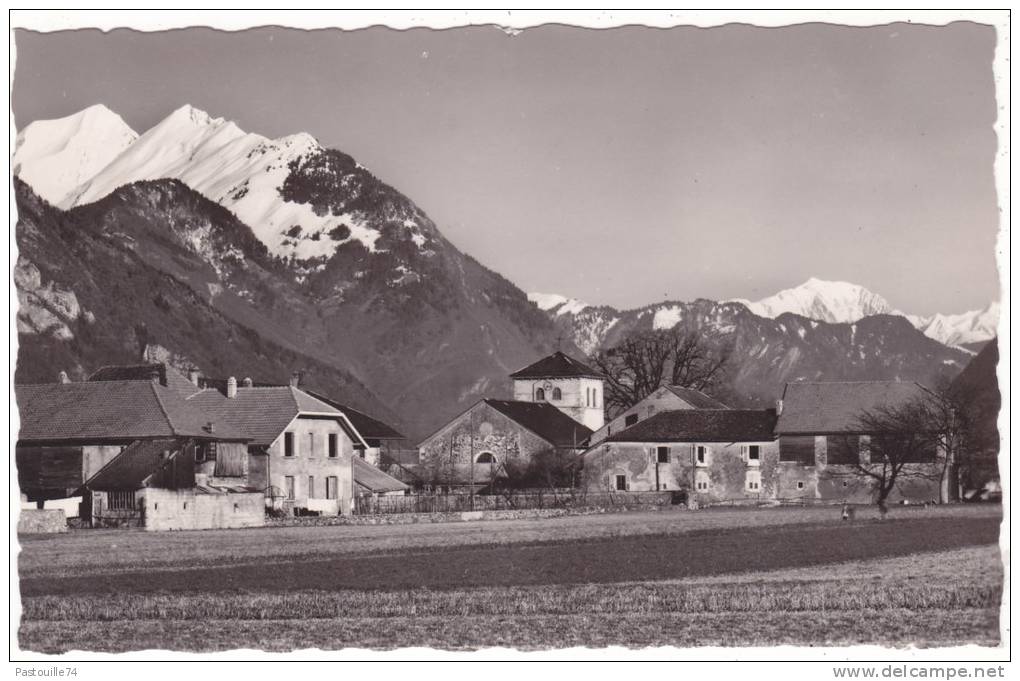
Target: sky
x: 623, y: 166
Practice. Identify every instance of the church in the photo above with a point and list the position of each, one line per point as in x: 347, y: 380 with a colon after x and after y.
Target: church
x: 557, y: 405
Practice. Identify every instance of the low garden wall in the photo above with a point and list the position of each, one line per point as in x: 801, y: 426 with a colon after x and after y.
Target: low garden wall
x: 462, y: 516
x: 42, y: 521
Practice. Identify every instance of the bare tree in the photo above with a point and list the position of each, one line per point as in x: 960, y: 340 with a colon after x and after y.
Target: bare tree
x: 641, y: 364
x: 898, y: 437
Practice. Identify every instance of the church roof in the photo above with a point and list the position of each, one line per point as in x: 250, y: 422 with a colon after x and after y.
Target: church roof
x: 544, y: 420
x: 557, y: 365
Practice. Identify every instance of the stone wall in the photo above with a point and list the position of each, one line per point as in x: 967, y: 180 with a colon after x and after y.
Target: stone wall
x: 165, y: 509
x: 725, y: 476
x: 728, y: 474
x: 467, y: 516
x: 41, y: 521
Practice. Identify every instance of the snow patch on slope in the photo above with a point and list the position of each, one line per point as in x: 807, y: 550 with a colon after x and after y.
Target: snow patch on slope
x: 554, y: 303
x: 667, y: 317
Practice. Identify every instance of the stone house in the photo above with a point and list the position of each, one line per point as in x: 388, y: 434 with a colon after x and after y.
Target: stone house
x: 820, y: 439
x: 666, y: 398
x: 301, y: 450
x: 711, y: 455
x: 69, y: 431
x: 558, y: 401
x: 492, y: 436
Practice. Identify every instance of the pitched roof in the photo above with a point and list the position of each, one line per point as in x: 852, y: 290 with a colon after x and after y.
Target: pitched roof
x: 557, y: 365
x: 111, y: 410
x: 370, y: 428
x: 696, y: 398
x: 168, y: 376
x: 836, y: 406
x: 130, y: 469
x: 544, y: 420
x: 703, y: 425
x: 263, y: 413
x: 374, y: 480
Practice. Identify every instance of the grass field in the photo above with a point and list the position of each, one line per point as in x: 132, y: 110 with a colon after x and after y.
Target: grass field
x: 726, y: 577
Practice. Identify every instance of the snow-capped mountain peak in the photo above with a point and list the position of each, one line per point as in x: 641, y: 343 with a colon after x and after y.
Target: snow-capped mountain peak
x: 554, y: 303
x: 827, y: 301
x: 973, y: 326
x: 57, y: 156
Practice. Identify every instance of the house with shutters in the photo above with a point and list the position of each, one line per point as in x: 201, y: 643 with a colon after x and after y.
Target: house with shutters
x: 558, y: 401
x: 710, y: 455
x: 301, y: 450
x: 666, y: 398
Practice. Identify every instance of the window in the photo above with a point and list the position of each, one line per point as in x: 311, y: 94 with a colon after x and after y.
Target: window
x: 752, y: 481
x: 120, y: 501
x: 331, y: 487
x: 630, y: 420
x: 311, y: 486
x: 595, y: 397
x: 797, y: 449
x: 539, y: 394
x: 288, y: 486
x: 485, y: 457
x: 311, y: 444
x: 702, y: 482
x: 333, y: 449
x: 199, y: 453
x: 288, y: 444
x: 800, y: 484
x: 557, y: 394
x: 754, y: 453
x: 843, y: 449
x: 621, y: 483
x: 702, y: 455
x: 662, y: 454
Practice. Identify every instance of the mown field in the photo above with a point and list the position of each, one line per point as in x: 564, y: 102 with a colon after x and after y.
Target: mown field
x: 715, y: 577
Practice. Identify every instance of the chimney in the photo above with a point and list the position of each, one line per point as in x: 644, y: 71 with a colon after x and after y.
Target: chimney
x: 62, y: 377
x: 231, y: 387
x: 247, y: 382
x: 779, y: 407
x: 193, y: 375
x: 295, y: 379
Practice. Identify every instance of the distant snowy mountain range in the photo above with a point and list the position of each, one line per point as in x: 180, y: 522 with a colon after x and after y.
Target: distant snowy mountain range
x: 835, y: 302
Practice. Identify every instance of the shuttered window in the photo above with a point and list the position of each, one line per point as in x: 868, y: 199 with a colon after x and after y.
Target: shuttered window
x: 842, y: 449
x: 797, y: 449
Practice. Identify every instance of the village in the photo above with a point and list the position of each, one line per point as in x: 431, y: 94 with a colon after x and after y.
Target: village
x: 148, y: 446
